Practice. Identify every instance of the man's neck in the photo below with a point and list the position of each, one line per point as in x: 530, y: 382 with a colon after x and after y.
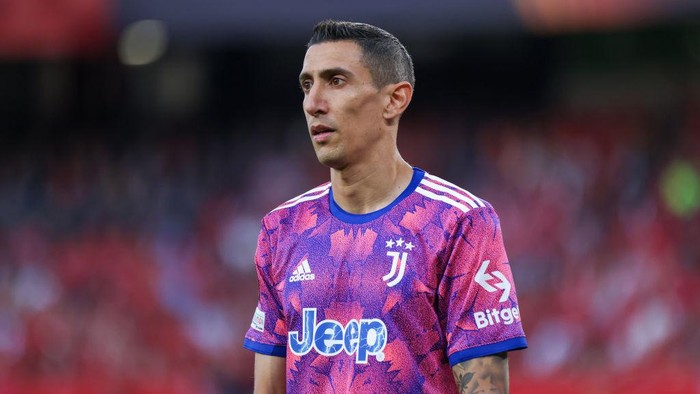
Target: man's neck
x: 366, y: 188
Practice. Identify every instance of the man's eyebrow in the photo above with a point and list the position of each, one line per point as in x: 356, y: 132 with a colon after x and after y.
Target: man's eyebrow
x: 327, y: 73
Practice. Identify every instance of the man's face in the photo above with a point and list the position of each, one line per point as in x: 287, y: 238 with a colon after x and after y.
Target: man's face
x: 342, y: 106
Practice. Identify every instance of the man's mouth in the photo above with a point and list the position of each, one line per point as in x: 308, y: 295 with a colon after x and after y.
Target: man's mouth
x: 321, y: 133
x: 320, y: 129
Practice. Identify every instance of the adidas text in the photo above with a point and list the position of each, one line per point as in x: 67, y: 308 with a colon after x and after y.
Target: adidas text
x: 301, y: 277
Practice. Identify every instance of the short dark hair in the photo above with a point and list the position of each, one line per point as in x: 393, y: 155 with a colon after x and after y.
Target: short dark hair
x: 383, y: 54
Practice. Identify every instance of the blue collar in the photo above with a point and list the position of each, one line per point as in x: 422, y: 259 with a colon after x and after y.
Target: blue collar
x: 358, y: 218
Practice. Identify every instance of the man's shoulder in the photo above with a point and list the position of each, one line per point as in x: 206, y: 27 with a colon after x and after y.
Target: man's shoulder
x: 308, y: 197
x: 453, y: 196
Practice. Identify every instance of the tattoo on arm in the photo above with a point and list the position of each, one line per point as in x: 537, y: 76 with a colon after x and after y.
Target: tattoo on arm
x: 487, y: 375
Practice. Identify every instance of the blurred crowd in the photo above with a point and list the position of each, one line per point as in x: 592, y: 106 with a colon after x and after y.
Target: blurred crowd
x: 126, y: 263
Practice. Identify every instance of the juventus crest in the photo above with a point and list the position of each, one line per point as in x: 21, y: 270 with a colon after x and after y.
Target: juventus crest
x: 398, y: 260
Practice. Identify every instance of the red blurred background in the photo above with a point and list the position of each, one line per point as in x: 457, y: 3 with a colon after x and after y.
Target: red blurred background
x: 143, y: 141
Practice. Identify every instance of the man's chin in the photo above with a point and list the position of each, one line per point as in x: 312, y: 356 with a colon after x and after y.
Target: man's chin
x: 331, y: 160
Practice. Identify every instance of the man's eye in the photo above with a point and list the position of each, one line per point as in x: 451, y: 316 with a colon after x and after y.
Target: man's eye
x: 305, y: 85
x: 335, y: 81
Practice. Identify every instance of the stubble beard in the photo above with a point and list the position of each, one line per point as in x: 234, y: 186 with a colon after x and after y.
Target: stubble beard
x: 331, y: 157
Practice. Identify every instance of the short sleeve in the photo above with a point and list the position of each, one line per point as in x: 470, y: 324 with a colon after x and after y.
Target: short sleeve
x: 268, y: 331
x: 477, y: 298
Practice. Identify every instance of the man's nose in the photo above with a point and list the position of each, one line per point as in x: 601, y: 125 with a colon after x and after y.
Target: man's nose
x: 315, y: 101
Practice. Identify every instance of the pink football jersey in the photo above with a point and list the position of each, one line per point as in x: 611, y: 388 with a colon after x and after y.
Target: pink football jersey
x: 386, y: 301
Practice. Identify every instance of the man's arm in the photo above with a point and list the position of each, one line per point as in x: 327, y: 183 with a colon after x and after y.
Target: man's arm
x: 270, y: 374
x: 482, y: 375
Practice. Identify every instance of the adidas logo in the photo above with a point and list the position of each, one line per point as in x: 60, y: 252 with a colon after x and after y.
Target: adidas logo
x: 303, y: 272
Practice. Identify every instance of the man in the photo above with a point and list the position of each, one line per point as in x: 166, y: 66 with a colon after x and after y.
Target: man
x: 386, y: 279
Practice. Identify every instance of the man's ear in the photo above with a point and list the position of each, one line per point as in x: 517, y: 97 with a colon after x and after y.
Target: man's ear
x: 398, y: 97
